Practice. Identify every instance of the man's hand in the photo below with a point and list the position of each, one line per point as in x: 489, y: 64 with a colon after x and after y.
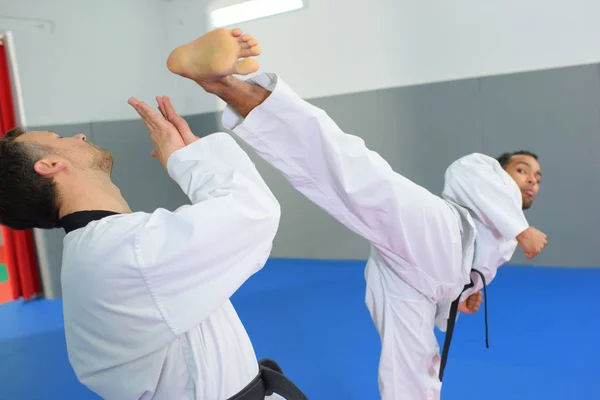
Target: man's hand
x: 166, y: 109
x: 532, y: 241
x: 166, y: 136
x: 471, y: 304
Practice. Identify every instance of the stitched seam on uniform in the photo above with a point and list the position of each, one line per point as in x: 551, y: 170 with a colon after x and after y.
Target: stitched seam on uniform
x: 141, y: 268
x: 350, y: 218
x: 428, y: 359
x: 394, y: 332
x: 186, y: 350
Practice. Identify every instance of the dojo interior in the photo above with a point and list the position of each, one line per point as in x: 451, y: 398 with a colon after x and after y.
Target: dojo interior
x: 423, y: 83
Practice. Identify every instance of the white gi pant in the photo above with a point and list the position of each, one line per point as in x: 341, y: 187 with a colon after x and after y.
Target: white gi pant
x: 416, y: 261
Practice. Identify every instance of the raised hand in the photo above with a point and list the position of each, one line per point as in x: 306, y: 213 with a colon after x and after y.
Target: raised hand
x: 166, y: 137
x: 168, y: 111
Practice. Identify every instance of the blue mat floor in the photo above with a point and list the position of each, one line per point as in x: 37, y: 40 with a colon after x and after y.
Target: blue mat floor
x: 311, y: 317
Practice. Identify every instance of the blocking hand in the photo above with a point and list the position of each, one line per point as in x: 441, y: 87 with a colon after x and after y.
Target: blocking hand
x: 168, y: 111
x: 166, y: 136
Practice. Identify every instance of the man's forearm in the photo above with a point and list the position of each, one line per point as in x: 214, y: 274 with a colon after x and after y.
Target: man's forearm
x: 243, y: 97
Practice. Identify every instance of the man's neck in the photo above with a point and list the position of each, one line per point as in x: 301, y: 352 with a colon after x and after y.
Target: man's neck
x: 98, y: 193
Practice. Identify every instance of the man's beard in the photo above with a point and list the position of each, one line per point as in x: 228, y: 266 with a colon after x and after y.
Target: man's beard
x: 103, y: 160
x: 527, y: 203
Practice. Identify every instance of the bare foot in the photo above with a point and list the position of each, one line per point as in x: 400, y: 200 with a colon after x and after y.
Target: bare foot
x: 215, y: 55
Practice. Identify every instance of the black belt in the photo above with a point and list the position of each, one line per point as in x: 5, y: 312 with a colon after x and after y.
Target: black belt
x: 452, y: 320
x: 270, y: 379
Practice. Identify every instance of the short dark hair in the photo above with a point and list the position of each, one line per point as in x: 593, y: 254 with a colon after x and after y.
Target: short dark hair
x: 27, y: 200
x: 504, y: 159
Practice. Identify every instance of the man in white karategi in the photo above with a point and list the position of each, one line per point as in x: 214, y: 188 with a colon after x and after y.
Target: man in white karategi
x: 146, y: 295
x: 423, y: 247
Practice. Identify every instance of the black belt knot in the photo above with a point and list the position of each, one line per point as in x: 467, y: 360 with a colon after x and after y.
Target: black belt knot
x: 452, y: 321
x: 270, y: 379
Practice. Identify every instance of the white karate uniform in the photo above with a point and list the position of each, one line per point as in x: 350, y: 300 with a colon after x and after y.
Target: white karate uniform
x: 480, y: 184
x: 146, y: 295
x: 422, y: 245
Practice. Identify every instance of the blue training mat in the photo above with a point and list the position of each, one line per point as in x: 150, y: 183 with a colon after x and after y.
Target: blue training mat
x: 542, y: 336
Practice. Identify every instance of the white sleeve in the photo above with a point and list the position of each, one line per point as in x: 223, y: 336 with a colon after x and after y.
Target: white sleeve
x: 442, y: 312
x: 333, y: 169
x: 195, y: 258
x: 479, y: 183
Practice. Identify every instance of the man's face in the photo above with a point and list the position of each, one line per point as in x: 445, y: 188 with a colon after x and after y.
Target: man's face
x: 525, y: 170
x: 75, y: 151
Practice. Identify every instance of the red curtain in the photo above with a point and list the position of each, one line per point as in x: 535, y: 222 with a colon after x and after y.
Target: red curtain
x: 19, y: 246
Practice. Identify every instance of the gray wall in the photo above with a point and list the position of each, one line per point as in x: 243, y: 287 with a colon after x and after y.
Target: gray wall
x: 420, y: 130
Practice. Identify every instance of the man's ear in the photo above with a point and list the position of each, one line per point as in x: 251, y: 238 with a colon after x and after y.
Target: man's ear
x: 49, y: 166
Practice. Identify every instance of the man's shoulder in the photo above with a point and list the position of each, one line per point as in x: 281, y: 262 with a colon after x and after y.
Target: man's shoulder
x: 101, y: 253
x: 114, y: 234
x: 103, y: 239
x: 475, y: 163
x: 109, y: 228
x: 476, y: 158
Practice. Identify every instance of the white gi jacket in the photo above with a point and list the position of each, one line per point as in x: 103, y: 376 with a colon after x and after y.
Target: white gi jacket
x: 418, y: 258
x: 494, y: 202
x: 146, y: 296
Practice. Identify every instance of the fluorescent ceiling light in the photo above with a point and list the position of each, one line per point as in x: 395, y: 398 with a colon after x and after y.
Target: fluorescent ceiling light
x: 252, y: 9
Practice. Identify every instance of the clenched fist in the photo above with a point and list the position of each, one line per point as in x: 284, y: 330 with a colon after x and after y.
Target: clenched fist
x: 471, y: 304
x: 532, y: 241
